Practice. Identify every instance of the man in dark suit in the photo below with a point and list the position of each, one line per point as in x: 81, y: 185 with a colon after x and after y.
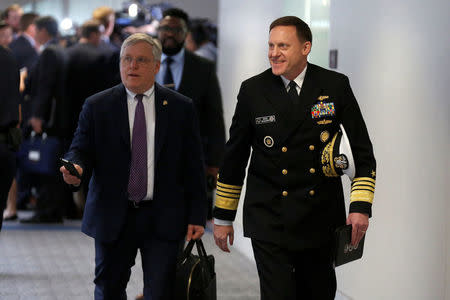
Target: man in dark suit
x: 194, y: 77
x: 290, y: 116
x: 24, y: 47
x: 48, y: 115
x: 147, y: 189
x: 85, y: 70
x: 9, y: 118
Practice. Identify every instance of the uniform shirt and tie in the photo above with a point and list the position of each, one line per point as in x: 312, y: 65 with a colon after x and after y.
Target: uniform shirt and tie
x: 176, y: 67
x: 148, y: 101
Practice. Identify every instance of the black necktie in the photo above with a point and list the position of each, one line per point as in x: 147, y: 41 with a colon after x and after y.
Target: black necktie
x: 293, y: 93
x: 168, y: 78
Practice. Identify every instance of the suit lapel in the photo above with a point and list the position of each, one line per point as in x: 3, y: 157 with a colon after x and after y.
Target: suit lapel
x: 276, y: 94
x: 186, y: 72
x: 161, y: 122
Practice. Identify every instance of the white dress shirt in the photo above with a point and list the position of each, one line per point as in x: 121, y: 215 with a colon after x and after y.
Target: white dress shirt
x: 298, y: 80
x: 149, y: 109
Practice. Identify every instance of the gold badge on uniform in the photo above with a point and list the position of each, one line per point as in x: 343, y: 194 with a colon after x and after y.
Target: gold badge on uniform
x: 268, y: 141
x: 324, y: 136
x: 321, y: 98
x: 324, y: 122
x: 165, y: 102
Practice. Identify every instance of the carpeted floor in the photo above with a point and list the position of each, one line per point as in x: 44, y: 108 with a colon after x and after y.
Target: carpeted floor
x: 57, y: 262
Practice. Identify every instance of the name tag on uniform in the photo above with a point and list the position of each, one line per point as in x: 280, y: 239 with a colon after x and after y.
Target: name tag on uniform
x: 265, y: 119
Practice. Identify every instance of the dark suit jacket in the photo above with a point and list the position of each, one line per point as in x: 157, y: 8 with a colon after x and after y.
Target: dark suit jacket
x: 289, y: 200
x: 9, y: 90
x: 85, y: 73
x: 199, y: 82
x: 102, y: 142
x: 26, y: 55
x: 47, y: 90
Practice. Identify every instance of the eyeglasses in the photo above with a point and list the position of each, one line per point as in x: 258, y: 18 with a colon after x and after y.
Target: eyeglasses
x: 174, y: 30
x: 140, y: 61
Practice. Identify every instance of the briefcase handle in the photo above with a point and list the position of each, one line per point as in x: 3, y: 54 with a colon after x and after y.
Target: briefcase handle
x: 200, y: 249
x: 201, y: 252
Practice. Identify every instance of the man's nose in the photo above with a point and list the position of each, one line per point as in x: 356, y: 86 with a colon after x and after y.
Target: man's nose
x: 274, y: 52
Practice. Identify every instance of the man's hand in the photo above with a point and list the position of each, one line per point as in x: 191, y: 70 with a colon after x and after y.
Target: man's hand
x: 70, y: 179
x: 36, y: 124
x: 194, y: 232
x: 221, y: 236
x: 360, y: 223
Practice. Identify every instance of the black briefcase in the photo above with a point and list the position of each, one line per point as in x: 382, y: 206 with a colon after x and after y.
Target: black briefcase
x: 344, y: 252
x: 195, y: 276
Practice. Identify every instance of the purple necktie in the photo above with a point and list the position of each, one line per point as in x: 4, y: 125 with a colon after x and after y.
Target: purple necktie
x: 137, y: 183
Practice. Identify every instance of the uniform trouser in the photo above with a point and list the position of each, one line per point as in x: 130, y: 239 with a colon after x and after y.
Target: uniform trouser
x: 7, y: 171
x: 288, y: 275
x: 113, y: 261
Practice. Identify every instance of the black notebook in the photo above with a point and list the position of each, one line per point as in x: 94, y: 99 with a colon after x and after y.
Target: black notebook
x: 344, y: 252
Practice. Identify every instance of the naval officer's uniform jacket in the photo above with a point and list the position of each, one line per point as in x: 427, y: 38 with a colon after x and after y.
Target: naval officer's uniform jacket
x: 289, y: 200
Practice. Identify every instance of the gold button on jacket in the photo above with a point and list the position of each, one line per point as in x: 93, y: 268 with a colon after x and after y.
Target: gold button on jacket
x: 284, y: 171
x: 285, y: 193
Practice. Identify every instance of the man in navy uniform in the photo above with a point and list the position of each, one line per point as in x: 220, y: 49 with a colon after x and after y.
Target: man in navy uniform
x: 289, y: 115
x: 147, y: 189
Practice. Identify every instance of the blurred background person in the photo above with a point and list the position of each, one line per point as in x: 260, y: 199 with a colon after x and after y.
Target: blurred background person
x: 9, y: 118
x: 194, y: 77
x: 6, y: 34
x: 200, y: 39
x: 11, y: 16
x: 86, y: 73
x: 106, y: 16
x: 24, y: 47
x: 48, y: 116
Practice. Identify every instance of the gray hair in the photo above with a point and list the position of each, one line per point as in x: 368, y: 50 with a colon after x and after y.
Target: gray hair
x: 142, y: 37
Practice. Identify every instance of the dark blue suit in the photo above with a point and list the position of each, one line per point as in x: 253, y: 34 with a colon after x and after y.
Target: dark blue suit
x: 102, y: 143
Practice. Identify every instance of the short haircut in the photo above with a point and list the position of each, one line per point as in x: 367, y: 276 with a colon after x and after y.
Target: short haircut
x: 27, y: 19
x: 48, y: 23
x: 102, y: 14
x: 177, y: 13
x: 303, y: 31
x: 12, y: 7
x: 89, y: 27
x: 143, y: 37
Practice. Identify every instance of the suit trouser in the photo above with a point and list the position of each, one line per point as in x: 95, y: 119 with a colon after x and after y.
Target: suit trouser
x: 7, y: 171
x: 288, y: 275
x: 113, y: 261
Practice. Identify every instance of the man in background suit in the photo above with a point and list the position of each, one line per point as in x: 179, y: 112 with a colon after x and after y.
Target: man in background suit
x: 48, y: 115
x: 290, y: 116
x: 85, y: 70
x: 194, y: 77
x: 9, y: 118
x: 147, y: 189
x: 24, y: 47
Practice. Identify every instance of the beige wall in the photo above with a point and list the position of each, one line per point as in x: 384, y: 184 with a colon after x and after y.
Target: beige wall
x: 396, y: 55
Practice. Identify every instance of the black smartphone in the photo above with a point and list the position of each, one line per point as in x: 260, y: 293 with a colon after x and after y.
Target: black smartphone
x: 70, y: 167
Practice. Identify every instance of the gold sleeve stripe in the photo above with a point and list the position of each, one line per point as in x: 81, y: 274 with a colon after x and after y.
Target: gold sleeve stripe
x: 366, y: 188
x: 363, y: 183
x: 236, y: 187
x: 228, y: 195
x: 226, y: 203
x: 364, y: 196
x: 228, y: 190
x: 364, y: 179
x: 360, y: 185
